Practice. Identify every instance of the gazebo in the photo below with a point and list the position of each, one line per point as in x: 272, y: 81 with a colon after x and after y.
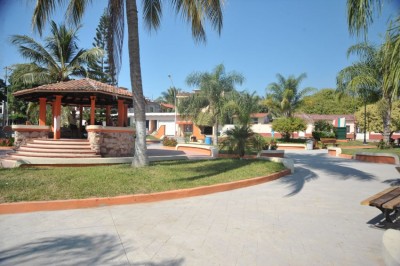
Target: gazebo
x: 80, y: 93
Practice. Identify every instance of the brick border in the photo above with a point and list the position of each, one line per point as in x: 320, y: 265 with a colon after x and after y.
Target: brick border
x: 34, y: 206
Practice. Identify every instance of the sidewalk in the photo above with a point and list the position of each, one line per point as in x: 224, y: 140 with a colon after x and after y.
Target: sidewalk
x: 312, y: 217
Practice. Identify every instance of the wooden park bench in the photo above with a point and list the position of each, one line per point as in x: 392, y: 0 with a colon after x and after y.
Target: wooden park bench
x: 326, y: 141
x: 388, y: 202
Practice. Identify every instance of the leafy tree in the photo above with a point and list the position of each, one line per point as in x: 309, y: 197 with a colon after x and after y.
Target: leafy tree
x: 284, y: 96
x: 326, y: 101
x: 101, y: 69
x: 57, y: 60
x: 205, y: 107
x: 287, y: 125
x: 194, y: 12
x: 374, y: 117
x: 3, y: 92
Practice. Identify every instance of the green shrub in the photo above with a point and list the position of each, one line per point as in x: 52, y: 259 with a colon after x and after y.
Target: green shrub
x: 7, y: 142
x: 286, y: 126
x: 170, y: 142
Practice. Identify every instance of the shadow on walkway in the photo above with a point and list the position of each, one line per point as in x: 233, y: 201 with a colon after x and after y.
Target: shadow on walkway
x: 77, y: 250
x: 306, y: 166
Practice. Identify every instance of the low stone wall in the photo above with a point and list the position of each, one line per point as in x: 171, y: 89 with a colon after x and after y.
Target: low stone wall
x: 206, y: 149
x: 387, y: 158
x: 26, y: 133
x: 112, y: 141
x: 291, y: 146
x: 272, y: 153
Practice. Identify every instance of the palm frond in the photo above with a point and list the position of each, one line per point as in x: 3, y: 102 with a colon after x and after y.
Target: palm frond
x: 115, y: 39
x: 152, y: 13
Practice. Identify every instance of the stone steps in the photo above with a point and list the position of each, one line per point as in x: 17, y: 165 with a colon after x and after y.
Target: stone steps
x: 42, y: 150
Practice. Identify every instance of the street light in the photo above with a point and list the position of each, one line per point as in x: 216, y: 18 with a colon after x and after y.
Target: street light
x: 170, y: 77
x: 365, y: 118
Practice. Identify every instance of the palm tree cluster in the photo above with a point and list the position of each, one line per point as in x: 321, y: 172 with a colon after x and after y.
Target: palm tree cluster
x: 378, y: 68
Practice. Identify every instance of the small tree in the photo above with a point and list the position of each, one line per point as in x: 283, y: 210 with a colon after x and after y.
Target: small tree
x: 323, y: 129
x: 286, y: 126
x: 374, y: 117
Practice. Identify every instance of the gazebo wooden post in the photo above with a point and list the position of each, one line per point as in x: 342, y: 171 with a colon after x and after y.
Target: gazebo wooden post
x: 42, y: 111
x: 121, y: 113
x: 57, y: 117
x: 125, y: 115
x: 108, y: 115
x: 80, y: 119
x: 92, y: 109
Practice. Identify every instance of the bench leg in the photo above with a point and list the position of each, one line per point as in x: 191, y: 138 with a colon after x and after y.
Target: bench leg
x: 388, y: 215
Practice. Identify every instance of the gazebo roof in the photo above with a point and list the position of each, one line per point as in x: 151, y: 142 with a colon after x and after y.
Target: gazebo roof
x: 77, y: 92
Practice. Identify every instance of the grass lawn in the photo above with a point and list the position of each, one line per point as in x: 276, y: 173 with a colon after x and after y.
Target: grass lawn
x: 33, y: 184
x: 373, y: 150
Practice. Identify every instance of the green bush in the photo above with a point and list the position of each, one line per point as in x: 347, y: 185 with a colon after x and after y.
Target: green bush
x: 286, y: 126
x: 7, y: 142
x: 323, y: 134
x: 170, y: 142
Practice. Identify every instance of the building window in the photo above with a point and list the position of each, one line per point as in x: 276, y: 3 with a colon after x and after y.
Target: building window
x: 151, y: 109
x: 347, y: 129
x: 254, y: 120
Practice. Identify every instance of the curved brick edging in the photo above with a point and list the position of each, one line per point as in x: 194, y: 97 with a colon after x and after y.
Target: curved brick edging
x: 33, y: 206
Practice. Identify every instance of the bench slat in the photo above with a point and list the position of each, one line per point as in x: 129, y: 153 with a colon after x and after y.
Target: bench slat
x: 392, y: 204
x: 385, y: 198
x: 368, y: 200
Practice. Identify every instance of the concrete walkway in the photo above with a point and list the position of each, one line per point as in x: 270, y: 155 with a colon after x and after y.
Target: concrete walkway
x: 312, y: 217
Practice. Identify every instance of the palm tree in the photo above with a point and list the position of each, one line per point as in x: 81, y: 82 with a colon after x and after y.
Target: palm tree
x: 363, y: 78
x: 194, y: 12
x: 208, y: 102
x: 360, y: 15
x: 241, y: 105
x: 285, y: 95
x: 58, y: 59
x: 169, y: 96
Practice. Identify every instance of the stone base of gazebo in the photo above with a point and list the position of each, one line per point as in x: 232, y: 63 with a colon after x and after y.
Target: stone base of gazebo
x: 112, y: 141
x: 26, y: 133
x: 104, y: 141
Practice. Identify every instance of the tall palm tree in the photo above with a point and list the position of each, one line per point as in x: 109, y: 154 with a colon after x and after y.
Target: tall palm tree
x: 210, y: 99
x: 194, y: 12
x: 360, y: 15
x: 58, y: 59
x: 285, y: 96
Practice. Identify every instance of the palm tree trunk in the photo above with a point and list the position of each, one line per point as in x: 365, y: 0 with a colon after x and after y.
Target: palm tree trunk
x: 215, y: 133
x: 140, y: 159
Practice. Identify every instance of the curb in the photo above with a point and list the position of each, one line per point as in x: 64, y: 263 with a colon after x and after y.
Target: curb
x: 34, y: 206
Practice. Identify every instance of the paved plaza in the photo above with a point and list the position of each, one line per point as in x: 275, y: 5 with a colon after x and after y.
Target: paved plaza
x: 312, y: 217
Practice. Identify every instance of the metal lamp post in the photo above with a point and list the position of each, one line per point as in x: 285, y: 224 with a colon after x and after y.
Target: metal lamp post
x: 365, y: 118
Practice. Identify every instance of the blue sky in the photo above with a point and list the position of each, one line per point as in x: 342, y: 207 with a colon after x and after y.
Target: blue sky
x: 260, y: 38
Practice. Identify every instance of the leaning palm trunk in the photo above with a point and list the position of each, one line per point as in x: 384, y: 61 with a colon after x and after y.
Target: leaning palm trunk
x: 140, y: 158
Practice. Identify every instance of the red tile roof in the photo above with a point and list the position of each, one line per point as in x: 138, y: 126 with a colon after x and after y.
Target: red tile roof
x: 82, y: 85
x: 258, y: 115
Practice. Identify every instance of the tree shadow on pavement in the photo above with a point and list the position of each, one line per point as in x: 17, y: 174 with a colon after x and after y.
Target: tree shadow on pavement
x: 392, y: 182
x: 66, y: 250
x: 307, y: 165
x: 175, y: 262
x: 297, y: 181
